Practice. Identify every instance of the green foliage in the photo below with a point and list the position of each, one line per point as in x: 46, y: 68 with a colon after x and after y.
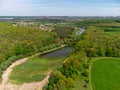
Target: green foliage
x: 58, y: 81
x: 63, y: 78
x: 102, y: 22
x: 96, y: 42
x: 63, y: 31
x: 17, y: 42
x: 21, y: 50
x: 101, y: 38
x: 73, y: 65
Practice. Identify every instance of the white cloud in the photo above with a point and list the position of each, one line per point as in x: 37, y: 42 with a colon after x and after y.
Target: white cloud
x: 62, y: 8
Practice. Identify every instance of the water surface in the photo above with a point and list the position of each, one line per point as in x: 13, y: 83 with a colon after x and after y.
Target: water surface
x: 60, y: 53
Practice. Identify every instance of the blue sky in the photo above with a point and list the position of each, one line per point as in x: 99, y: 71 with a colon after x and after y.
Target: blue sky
x: 59, y: 7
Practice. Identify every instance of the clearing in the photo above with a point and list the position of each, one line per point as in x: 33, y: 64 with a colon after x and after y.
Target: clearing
x: 105, y: 74
x: 33, y: 70
x: 37, y: 67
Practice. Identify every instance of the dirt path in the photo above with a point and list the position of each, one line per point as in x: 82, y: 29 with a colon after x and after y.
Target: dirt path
x: 36, y: 85
x: 5, y: 85
x: 7, y: 72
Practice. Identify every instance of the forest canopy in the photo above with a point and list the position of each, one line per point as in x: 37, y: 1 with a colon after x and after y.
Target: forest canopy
x: 16, y: 42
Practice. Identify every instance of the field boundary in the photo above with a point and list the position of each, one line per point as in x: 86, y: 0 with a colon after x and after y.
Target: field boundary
x: 90, y: 83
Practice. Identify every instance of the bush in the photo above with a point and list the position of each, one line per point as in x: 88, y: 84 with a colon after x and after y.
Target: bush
x: 58, y: 81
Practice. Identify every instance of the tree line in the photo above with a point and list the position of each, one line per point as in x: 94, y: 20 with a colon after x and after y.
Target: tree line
x: 17, y: 42
x: 94, y: 42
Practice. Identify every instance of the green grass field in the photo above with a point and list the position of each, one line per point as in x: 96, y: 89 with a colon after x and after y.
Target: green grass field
x: 105, y: 74
x: 33, y: 70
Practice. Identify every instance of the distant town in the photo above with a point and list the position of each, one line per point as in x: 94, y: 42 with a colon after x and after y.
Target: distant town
x: 56, y: 18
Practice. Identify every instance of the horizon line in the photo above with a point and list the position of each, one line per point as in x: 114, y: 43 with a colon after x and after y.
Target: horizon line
x: 59, y: 16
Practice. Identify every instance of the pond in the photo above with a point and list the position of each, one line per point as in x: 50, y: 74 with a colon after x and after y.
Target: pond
x: 60, y: 53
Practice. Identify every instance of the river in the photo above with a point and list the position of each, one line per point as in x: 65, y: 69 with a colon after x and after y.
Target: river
x: 81, y: 30
x: 63, y: 52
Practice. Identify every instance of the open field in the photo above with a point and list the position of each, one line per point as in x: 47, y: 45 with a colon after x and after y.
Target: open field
x: 37, y: 67
x: 105, y: 74
x: 33, y: 70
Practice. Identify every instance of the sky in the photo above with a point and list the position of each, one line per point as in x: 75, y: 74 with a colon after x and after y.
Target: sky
x: 59, y: 7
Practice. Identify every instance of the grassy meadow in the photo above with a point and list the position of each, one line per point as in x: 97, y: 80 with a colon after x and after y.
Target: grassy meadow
x: 33, y: 70
x: 105, y: 74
